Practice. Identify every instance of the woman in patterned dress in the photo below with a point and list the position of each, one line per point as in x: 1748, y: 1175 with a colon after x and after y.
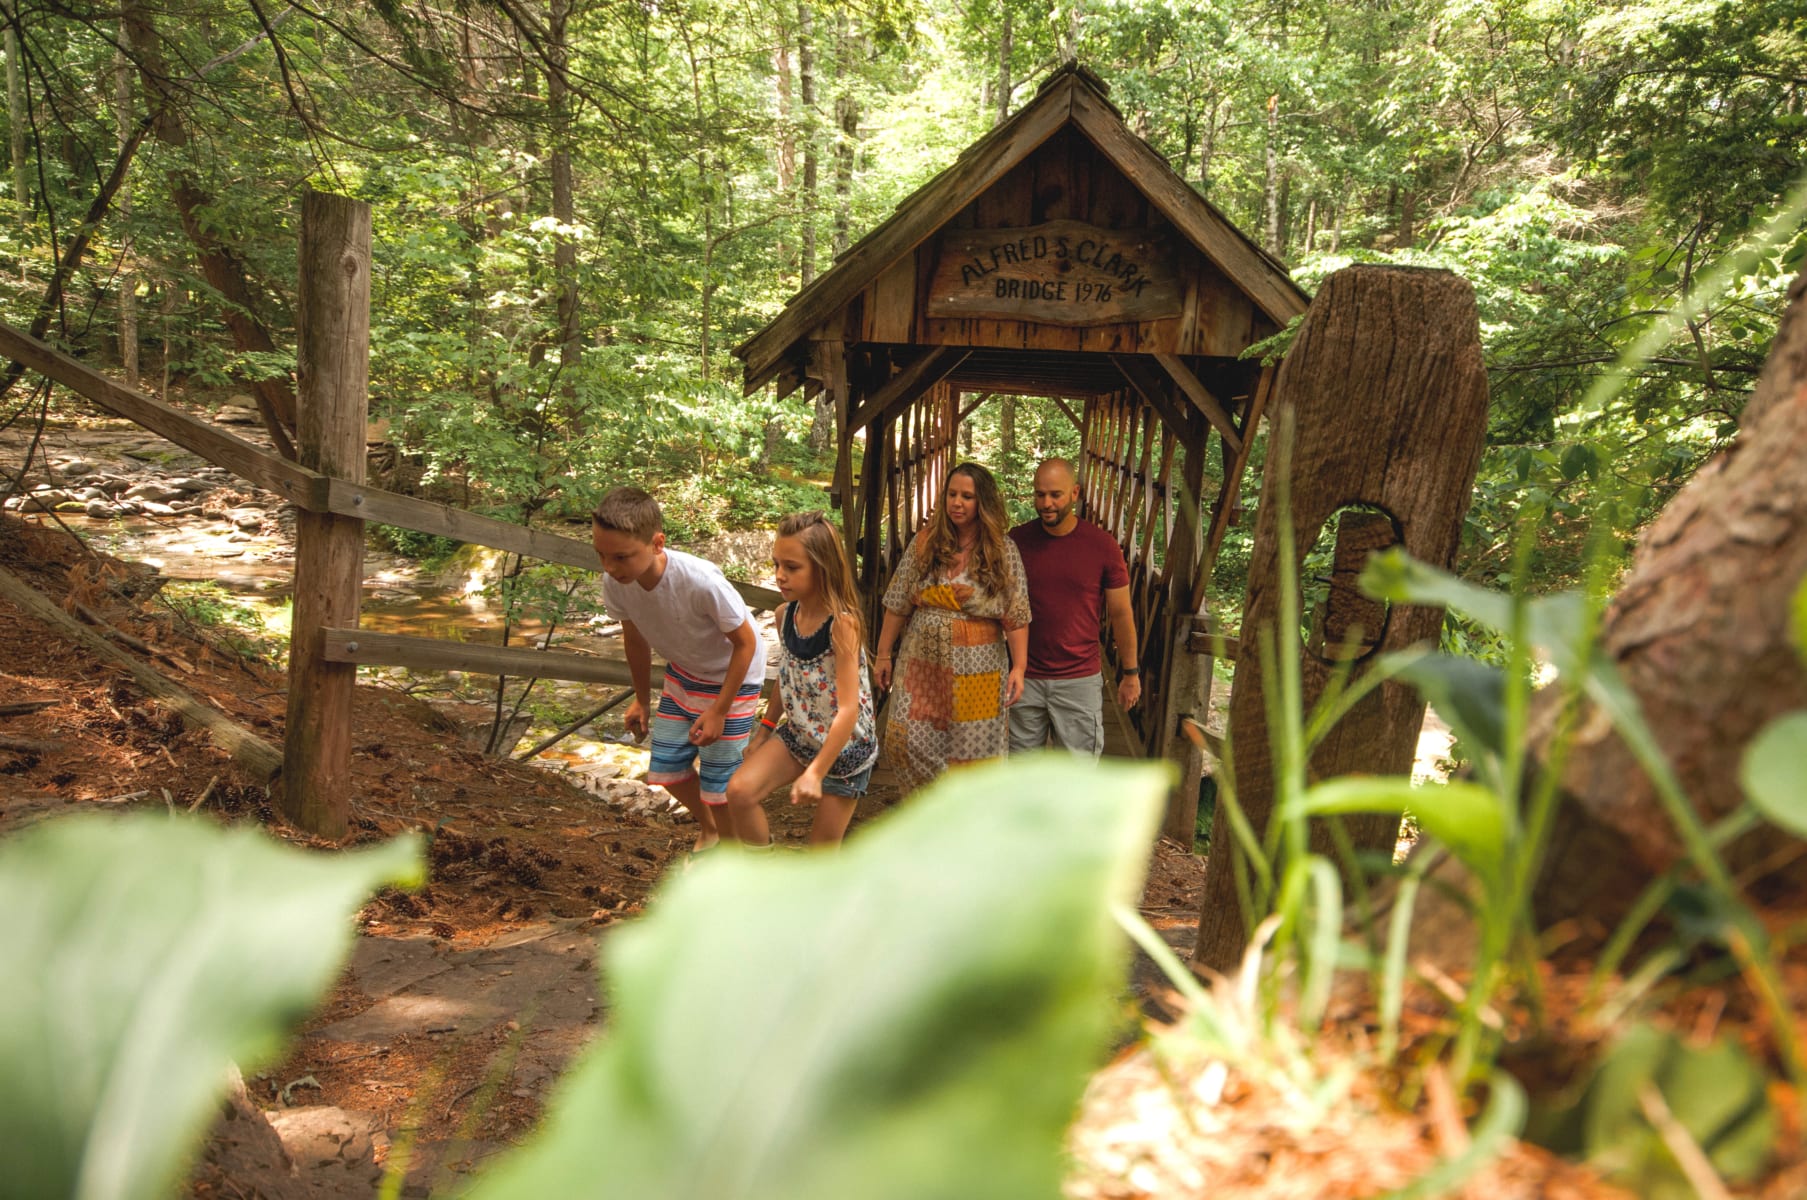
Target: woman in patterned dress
x: 961, y: 605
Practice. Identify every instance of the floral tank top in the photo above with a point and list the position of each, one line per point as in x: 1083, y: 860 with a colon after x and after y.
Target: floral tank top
x: 806, y: 671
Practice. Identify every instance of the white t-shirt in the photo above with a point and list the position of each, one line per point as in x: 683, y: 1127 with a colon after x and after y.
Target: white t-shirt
x: 687, y: 615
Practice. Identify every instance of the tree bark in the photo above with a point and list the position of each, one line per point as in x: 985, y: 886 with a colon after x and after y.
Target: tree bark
x: 1003, y: 93
x: 787, y: 138
x: 1700, y: 632
x: 806, y: 92
x: 128, y: 279
x: 1386, y: 397
x: 847, y: 125
x: 564, y: 204
x: 15, y: 117
x: 220, y: 266
x: 1270, y: 187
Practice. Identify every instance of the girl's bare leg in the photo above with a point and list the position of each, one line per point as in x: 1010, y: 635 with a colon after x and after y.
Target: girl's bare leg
x: 767, y: 767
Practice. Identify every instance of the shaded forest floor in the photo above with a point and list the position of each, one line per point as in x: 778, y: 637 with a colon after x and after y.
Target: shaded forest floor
x: 464, y: 1001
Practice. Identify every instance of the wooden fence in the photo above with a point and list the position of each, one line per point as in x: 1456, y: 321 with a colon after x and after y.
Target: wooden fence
x: 327, y: 487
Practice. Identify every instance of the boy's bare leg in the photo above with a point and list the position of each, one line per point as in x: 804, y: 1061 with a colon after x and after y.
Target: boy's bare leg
x: 708, y: 829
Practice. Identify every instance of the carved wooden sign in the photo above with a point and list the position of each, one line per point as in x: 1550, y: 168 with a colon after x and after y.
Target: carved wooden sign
x: 1061, y: 273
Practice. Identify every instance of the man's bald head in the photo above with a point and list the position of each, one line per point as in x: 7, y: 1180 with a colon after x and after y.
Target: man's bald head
x: 1056, y: 496
x: 1055, y: 470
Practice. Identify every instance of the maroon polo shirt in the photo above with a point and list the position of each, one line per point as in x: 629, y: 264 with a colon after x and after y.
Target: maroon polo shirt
x: 1067, y: 580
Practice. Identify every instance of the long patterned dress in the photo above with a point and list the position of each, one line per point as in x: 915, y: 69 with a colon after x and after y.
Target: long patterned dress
x: 951, y: 677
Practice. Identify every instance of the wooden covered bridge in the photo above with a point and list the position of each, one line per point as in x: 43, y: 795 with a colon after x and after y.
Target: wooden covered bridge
x: 1061, y: 257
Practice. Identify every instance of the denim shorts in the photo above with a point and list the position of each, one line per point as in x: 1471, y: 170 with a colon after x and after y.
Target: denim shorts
x: 852, y: 788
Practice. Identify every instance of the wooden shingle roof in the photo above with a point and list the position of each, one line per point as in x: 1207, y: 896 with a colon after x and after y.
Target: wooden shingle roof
x: 1071, y: 96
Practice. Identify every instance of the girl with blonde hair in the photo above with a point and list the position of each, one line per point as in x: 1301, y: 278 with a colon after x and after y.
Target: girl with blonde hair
x: 827, y: 744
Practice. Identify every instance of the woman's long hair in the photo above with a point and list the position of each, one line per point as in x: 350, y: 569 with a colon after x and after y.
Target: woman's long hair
x: 821, y: 543
x: 942, y: 544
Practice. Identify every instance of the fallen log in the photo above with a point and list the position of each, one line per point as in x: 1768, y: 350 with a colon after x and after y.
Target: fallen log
x: 20, y: 745
x: 259, y: 758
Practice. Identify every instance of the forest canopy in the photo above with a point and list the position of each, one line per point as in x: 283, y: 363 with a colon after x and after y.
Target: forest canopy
x: 582, y: 206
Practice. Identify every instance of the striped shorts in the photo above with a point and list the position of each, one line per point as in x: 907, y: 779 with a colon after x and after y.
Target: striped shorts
x: 675, y: 759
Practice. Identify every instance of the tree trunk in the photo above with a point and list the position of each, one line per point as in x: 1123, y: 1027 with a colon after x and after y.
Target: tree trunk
x: 1386, y: 397
x: 1003, y: 92
x: 806, y: 92
x: 1700, y: 632
x: 1270, y: 188
x: 15, y: 119
x: 787, y: 140
x: 847, y: 124
x: 564, y: 204
x: 1007, y: 424
x: 128, y: 280
x: 219, y: 265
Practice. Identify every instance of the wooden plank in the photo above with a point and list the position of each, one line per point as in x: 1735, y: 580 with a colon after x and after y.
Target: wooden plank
x: 367, y: 649
x: 1264, y: 280
x: 928, y: 370
x: 1059, y: 273
x: 985, y: 162
x: 191, y: 433
x: 1070, y: 414
x: 893, y: 305
x: 332, y: 335
x: 1202, y: 399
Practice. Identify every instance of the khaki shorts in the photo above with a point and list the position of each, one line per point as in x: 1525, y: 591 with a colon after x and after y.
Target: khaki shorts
x: 1067, y: 712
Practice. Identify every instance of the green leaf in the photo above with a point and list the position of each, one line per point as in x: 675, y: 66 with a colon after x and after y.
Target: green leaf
x: 1465, y: 817
x: 1717, y: 1093
x: 899, y: 1020
x: 1469, y: 694
x: 1774, y: 772
x: 1800, y: 621
x: 144, y: 957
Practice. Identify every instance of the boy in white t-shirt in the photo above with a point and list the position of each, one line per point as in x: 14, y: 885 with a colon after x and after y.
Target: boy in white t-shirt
x: 683, y: 607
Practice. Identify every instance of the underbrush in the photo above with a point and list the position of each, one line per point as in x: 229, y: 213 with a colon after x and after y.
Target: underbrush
x: 258, y: 632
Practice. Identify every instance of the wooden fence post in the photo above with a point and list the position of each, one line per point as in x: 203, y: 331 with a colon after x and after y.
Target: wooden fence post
x: 332, y: 368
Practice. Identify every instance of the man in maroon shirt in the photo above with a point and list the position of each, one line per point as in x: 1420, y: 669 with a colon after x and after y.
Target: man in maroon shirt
x: 1076, y: 575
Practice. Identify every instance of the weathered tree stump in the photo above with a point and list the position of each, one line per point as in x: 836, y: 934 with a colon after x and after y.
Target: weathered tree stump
x: 1386, y: 396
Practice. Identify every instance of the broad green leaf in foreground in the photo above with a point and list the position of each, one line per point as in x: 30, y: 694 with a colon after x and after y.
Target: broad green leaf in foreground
x: 143, y: 957
x: 1774, y: 772
x: 911, y: 1018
